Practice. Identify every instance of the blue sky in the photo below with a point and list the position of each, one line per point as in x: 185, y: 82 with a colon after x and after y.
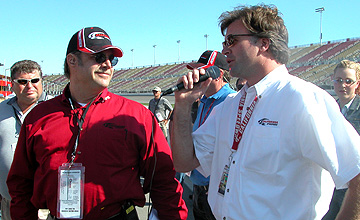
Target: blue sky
x: 40, y: 30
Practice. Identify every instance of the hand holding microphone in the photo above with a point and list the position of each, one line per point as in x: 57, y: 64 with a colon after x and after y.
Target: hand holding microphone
x: 212, y: 71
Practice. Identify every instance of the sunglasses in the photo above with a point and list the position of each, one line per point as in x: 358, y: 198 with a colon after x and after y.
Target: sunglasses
x: 101, y: 58
x: 26, y: 81
x: 347, y: 82
x: 230, y: 39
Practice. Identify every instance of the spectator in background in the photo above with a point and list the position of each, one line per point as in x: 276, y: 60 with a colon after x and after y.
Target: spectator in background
x: 26, y: 77
x: 218, y: 90
x: 266, y: 146
x: 346, y: 86
x: 114, y: 139
x: 240, y: 82
x: 161, y: 108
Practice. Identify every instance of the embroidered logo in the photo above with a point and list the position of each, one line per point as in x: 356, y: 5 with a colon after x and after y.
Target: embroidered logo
x: 98, y: 36
x: 267, y: 122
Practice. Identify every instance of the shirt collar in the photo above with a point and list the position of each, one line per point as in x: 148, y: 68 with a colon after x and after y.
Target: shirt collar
x: 219, y: 93
x: 102, y: 97
x: 271, y: 78
x: 349, y: 103
x: 13, y: 101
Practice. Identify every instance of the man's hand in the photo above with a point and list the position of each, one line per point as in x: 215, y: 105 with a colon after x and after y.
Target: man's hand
x: 190, y: 93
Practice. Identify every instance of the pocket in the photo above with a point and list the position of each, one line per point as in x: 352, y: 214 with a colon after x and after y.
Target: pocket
x: 262, y: 155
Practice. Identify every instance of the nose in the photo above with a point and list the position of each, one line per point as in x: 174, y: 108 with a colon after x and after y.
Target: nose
x: 29, y: 84
x: 225, y: 51
x: 106, y: 64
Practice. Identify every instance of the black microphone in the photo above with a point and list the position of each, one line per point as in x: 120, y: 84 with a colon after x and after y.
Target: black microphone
x: 212, y: 71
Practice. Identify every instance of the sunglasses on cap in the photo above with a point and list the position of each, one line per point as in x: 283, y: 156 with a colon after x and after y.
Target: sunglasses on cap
x: 101, y: 58
x: 230, y: 39
x: 347, y: 82
x: 26, y: 81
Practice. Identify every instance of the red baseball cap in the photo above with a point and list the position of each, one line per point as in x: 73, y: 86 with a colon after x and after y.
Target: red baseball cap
x: 210, y: 58
x: 92, y: 40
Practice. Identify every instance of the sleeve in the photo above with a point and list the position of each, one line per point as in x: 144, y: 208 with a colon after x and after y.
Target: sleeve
x: 20, y: 181
x: 204, y: 139
x: 168, y: 105
x: 329, y: 140
x: 158, y: 170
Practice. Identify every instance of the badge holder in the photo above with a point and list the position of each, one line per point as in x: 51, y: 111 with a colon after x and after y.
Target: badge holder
x: 225, y: 175
x: 70, y: 197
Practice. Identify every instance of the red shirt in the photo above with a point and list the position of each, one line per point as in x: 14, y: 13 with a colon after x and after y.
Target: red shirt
x: 116, y: 147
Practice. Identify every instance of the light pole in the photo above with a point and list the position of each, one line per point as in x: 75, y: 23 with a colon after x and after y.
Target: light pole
x: 206, y: 37
x: 178, y: 50
x: 154, y: 53
x: 5, y: 74
x: 320, y: 10
x: 132, y: 50
x: 6, y: 79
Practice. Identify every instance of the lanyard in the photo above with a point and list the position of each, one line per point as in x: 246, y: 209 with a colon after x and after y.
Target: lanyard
x: 240, y: 125
x: 205, y: 116
x: 80, y: 124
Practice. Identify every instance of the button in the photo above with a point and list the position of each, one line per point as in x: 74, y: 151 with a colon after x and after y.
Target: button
x: 224, y: 218
x: 79, y: 152
x: 234, y: 162
x: 227, y: 190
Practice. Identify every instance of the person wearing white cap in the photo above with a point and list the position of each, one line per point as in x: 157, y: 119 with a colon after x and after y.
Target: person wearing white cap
x: 81, y: 154
x: 161, y: 108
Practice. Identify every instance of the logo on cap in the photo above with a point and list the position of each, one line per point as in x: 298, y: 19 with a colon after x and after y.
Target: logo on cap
x: 98, y: 36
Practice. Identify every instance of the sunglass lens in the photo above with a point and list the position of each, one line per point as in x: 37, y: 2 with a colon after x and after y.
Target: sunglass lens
x: 114, y: 61
x: 100, y: 58
x: 36, y: 80
x: 230, y: 40
x: 22, y: 81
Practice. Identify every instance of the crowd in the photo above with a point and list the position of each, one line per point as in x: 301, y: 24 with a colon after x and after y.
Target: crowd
x: 255, y: 153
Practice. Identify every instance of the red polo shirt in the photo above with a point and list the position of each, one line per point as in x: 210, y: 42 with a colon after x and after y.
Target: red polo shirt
x: 120, y: 141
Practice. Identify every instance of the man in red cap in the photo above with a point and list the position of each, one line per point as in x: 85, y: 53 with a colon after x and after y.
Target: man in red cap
x: 81, y: 154
x: 216, y: 93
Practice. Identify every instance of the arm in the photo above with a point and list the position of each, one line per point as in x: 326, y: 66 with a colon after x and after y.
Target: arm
x: 181, y: 127
x: 169, y: 108
x: 350, y: 209
x: 20, y: 182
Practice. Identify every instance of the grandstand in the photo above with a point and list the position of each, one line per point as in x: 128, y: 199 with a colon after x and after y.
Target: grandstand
x: 313, y: 63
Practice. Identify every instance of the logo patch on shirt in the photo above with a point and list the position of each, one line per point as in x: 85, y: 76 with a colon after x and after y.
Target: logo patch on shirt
x: 267, y: 122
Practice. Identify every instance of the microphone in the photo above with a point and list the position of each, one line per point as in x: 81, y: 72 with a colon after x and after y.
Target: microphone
x: 212, y: 71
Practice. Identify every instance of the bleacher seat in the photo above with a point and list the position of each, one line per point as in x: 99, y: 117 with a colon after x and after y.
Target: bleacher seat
x: 314, y: 63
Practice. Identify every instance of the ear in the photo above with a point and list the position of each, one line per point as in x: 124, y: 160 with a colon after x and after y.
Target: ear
x: 265, y: 44
x: 71, y: 59
x: 221, y: 74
